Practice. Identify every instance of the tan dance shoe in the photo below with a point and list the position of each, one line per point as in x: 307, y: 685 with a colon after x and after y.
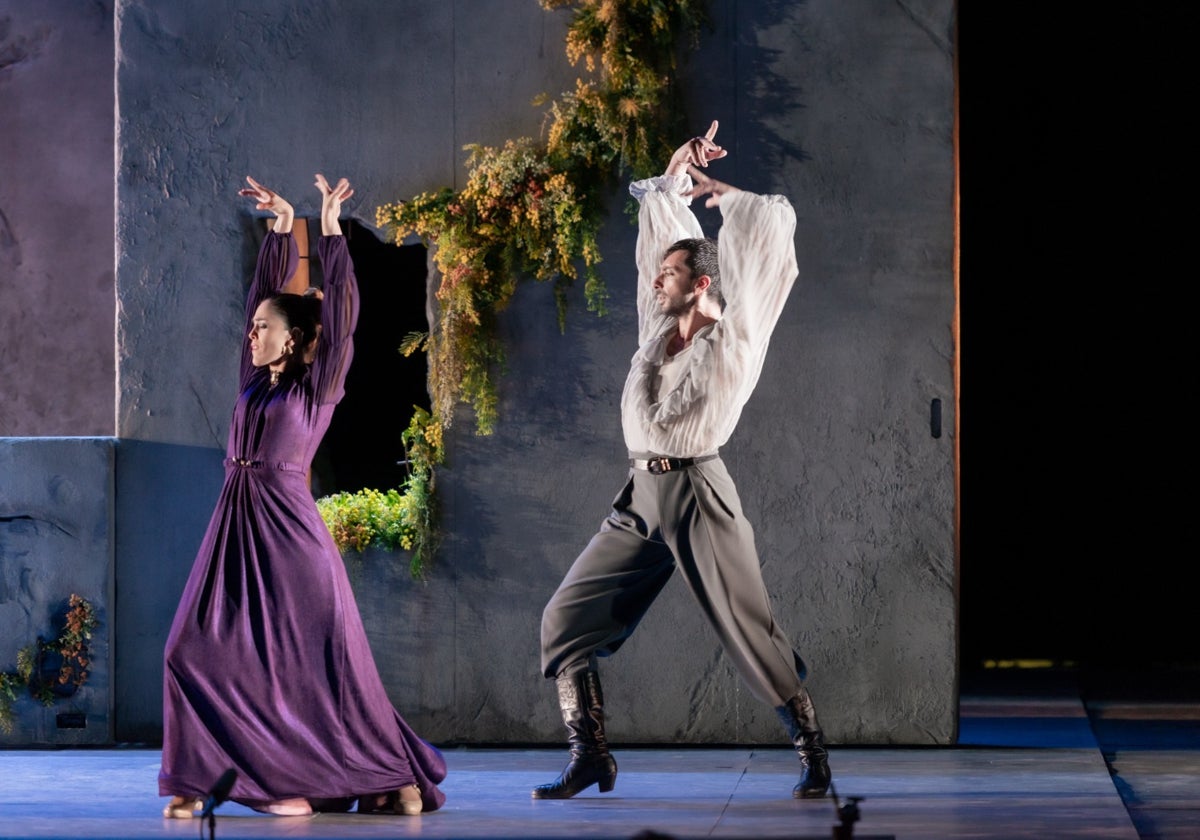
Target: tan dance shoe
x: 183, y: 807
x: 405, y: 801
x: 409, y: 803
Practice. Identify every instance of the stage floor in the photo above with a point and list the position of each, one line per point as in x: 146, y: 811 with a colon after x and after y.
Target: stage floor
x: 1031, y: 762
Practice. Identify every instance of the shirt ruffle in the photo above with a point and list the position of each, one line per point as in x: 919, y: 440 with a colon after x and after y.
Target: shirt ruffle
x: 690, y: 388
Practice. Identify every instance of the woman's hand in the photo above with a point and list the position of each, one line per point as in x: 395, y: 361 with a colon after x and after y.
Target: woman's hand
x: 696, y: 152
x: 331, y: 204
x: 270, y: 200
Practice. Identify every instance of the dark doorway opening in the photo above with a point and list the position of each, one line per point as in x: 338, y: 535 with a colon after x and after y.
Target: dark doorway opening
x: 1072, y: 441
x: 363, y: 447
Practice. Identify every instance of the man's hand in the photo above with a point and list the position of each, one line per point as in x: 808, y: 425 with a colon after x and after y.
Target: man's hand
x: 696, y: 152
x: 711, y: 187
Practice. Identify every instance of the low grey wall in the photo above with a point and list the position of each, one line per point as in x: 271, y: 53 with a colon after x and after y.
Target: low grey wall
x: 164, y: 499
x: 57, y: 539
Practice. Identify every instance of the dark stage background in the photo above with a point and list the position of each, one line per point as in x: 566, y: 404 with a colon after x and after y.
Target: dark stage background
x: 1076, y: 465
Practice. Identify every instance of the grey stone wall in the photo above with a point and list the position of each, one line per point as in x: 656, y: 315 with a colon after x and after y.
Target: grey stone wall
x: 57, y: 537
x: 56, y: 218
x: 844, y: 107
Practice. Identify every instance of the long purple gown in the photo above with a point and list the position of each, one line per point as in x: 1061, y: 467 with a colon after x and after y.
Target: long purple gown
x: 267, y: 666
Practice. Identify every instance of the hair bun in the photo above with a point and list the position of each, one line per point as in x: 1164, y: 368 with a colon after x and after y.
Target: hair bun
x: 314, y: 292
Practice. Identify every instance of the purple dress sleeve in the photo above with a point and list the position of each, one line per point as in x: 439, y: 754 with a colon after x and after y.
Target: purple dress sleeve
x: 277, y: 263
x: 339, y: 315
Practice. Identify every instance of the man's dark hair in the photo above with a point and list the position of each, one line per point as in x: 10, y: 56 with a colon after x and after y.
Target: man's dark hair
x: 702, y: 259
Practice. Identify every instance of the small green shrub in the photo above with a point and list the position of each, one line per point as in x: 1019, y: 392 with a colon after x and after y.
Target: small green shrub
x: 404, y: 519
x: 365, y: 518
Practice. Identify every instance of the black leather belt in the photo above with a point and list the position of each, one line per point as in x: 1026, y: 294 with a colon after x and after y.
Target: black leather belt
x: 658, y: 466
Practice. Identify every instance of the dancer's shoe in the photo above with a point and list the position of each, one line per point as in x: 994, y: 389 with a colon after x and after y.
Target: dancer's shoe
x: 406, y: 801
x: 409, y: 802
x: 183, y: 807
x: 581, y: 701
x: 800, y: 720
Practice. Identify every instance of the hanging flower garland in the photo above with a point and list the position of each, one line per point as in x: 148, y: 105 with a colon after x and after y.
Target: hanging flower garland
x: 533, y: 210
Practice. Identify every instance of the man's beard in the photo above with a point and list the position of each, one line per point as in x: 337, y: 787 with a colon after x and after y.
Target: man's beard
x: 680, y: 306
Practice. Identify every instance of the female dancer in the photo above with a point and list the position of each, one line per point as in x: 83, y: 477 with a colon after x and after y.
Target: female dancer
x: 267, y: 667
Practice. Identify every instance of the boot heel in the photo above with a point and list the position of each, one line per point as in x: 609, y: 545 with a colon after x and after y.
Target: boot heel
x: 799, y: 718
x: 582, y: 705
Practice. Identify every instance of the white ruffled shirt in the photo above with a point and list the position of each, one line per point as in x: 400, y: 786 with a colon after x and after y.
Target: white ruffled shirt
x: 698, y: 411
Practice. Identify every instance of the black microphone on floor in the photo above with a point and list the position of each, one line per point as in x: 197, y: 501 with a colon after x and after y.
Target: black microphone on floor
x: 219, y: 793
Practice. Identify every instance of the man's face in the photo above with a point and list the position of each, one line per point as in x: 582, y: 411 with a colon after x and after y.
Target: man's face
x: 674, y: 285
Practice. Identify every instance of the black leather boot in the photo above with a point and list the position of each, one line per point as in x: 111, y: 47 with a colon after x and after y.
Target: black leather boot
x: 582, y: 707
x: 800, y: 720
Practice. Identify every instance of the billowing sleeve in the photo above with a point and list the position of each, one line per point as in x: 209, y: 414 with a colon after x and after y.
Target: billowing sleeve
x: 664, y: 217
x: 276, y: 265
x: 758, y: 266
x: 339, y: 316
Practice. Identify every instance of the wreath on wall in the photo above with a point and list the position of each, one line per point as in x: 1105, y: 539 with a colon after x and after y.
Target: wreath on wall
x: 531, y: 209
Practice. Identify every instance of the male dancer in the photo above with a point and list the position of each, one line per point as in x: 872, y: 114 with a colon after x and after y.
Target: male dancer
x: 704, y: 322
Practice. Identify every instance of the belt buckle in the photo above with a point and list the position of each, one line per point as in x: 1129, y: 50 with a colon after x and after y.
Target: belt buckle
x: 658, y: 466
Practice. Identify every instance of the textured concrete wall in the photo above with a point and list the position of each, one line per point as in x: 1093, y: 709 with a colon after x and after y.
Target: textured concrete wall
x: 57, y: 528
x: 56, y: 218
x: 57, y: 537
x: 844, y: 107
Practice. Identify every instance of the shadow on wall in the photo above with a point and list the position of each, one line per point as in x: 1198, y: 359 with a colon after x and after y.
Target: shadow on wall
x: 765, y: 33
x: 775, y: 97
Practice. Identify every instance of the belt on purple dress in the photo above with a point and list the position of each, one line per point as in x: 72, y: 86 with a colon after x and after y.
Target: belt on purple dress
x: 658, y: 466
x: 248, y: 464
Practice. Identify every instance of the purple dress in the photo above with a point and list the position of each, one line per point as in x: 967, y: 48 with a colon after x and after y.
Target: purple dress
x: 267, y: 666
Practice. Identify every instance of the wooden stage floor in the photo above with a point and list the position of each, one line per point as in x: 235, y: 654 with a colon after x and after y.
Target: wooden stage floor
x: 1035, y: 759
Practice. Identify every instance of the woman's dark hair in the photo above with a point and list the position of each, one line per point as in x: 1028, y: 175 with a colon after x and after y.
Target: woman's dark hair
x: 300, y: 312
x: 702, y: 259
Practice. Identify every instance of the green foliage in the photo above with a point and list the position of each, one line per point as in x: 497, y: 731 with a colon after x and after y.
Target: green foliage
x: 9, y: 683
x: 70, y: 647
x: 533, y: 209
x: 517, y: 216
x: 364, y: 518
x: 394, y: 520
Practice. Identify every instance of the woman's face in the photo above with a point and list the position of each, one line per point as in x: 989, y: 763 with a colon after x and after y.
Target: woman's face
x: 269, y: 336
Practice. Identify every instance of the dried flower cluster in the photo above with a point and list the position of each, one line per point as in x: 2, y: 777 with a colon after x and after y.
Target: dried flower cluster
x: 50, y: 669
x: 533, y: 210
